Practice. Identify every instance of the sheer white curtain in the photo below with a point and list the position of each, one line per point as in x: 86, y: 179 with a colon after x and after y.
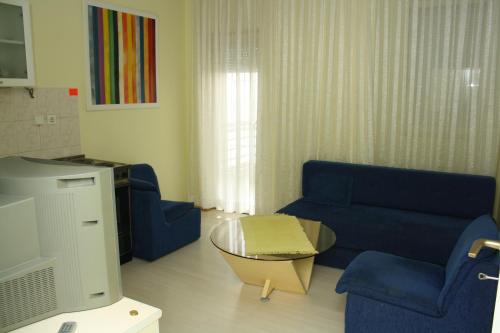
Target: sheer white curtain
x: 226, y: 89
x: 410, y: 83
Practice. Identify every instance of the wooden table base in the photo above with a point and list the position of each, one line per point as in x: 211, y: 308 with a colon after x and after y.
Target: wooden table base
x: 292, y: 275
x: 288, y: 275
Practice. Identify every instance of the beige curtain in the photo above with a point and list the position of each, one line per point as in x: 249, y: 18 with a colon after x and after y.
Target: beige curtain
x: 409, y: 83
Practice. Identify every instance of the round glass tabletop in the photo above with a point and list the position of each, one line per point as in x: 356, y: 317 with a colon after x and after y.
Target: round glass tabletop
x: 228, y: 236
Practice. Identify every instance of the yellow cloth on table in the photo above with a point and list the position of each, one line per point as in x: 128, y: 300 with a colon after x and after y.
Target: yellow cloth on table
x: 275, y: 234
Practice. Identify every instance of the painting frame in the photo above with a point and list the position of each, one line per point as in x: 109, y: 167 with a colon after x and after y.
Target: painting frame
x: 121, y: 105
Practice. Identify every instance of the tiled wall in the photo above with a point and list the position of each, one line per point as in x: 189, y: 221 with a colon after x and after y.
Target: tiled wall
x: 19, y: 135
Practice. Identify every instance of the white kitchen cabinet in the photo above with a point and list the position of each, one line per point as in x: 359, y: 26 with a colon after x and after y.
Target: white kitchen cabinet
x: 16, y: 51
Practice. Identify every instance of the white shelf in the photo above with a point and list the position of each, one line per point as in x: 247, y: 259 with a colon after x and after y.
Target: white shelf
x: 11, y: 41
x: 114, y: 318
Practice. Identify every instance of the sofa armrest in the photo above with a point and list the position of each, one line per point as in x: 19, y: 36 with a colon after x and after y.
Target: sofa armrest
x: 411, y: 284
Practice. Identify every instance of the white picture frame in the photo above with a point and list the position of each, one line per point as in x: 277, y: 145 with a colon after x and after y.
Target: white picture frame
x: 91, y: 106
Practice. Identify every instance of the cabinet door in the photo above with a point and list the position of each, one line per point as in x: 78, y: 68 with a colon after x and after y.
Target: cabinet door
x: 16, y: 58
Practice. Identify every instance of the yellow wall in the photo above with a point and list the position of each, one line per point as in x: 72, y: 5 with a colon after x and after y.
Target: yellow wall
x: 156, y: 136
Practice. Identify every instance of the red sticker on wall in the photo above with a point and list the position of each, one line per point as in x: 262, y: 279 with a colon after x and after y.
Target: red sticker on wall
x: 73, y: 91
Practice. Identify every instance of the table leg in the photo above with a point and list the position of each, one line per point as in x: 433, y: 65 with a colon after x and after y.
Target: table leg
x: 266, y: 290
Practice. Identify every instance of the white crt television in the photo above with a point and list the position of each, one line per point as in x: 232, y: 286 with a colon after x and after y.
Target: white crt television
x: 58, y: 243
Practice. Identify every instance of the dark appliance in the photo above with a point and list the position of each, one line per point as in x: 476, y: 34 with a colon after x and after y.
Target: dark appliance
x: 122, y: 199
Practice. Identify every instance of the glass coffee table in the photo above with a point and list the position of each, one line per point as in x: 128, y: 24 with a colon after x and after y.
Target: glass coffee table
x: 287, y: 272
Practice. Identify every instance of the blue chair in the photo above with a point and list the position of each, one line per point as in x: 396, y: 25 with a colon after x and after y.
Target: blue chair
x: 388, y: 293
x: 159, y: 226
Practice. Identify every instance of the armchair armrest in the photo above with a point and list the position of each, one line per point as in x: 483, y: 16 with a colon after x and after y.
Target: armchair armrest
x: 407, y: 283
x: 142, y: 185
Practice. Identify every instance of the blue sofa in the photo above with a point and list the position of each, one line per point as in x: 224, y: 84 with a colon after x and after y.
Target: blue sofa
x: 410, y: 213
x: 392, y: 294
x: 159, y: 226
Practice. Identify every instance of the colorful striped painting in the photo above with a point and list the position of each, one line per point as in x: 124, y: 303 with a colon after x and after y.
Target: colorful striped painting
x: 122, y: 53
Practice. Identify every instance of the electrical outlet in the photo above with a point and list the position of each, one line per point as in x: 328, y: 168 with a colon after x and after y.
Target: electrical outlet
x: 51, y: 119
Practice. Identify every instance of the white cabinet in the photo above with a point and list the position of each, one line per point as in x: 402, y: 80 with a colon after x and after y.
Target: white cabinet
x: 16, y: 51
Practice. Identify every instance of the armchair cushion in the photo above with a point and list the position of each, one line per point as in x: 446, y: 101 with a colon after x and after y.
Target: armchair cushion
x: 173, y: 210
x: 395, y: 280
x: 143, y: 185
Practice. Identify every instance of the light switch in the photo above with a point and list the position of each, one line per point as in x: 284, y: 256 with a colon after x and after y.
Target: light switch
x: 39, y: 120
x: 51, y: 119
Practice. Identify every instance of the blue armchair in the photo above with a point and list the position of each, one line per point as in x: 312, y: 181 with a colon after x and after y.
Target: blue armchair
x: 159, y: 226
x: 388, y: 293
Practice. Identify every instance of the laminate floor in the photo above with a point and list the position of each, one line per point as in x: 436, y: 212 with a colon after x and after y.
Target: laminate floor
x: 198, y: 292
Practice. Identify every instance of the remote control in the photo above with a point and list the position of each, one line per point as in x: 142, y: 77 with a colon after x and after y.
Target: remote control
x: 67, y: 327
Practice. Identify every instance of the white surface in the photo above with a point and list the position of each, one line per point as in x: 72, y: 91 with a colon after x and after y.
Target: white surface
x: 153, y: 328
x: 110, y: 319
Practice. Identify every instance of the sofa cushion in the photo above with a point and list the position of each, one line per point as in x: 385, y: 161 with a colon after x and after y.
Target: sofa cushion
x: 410, y: 234
x: 175, y: 209
x: 451, y: 194
x: 408, y: 283
x: 330, y: 189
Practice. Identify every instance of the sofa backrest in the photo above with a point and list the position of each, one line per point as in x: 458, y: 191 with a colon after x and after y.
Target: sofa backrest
x: 452, y: 194
x: 482, y: 227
